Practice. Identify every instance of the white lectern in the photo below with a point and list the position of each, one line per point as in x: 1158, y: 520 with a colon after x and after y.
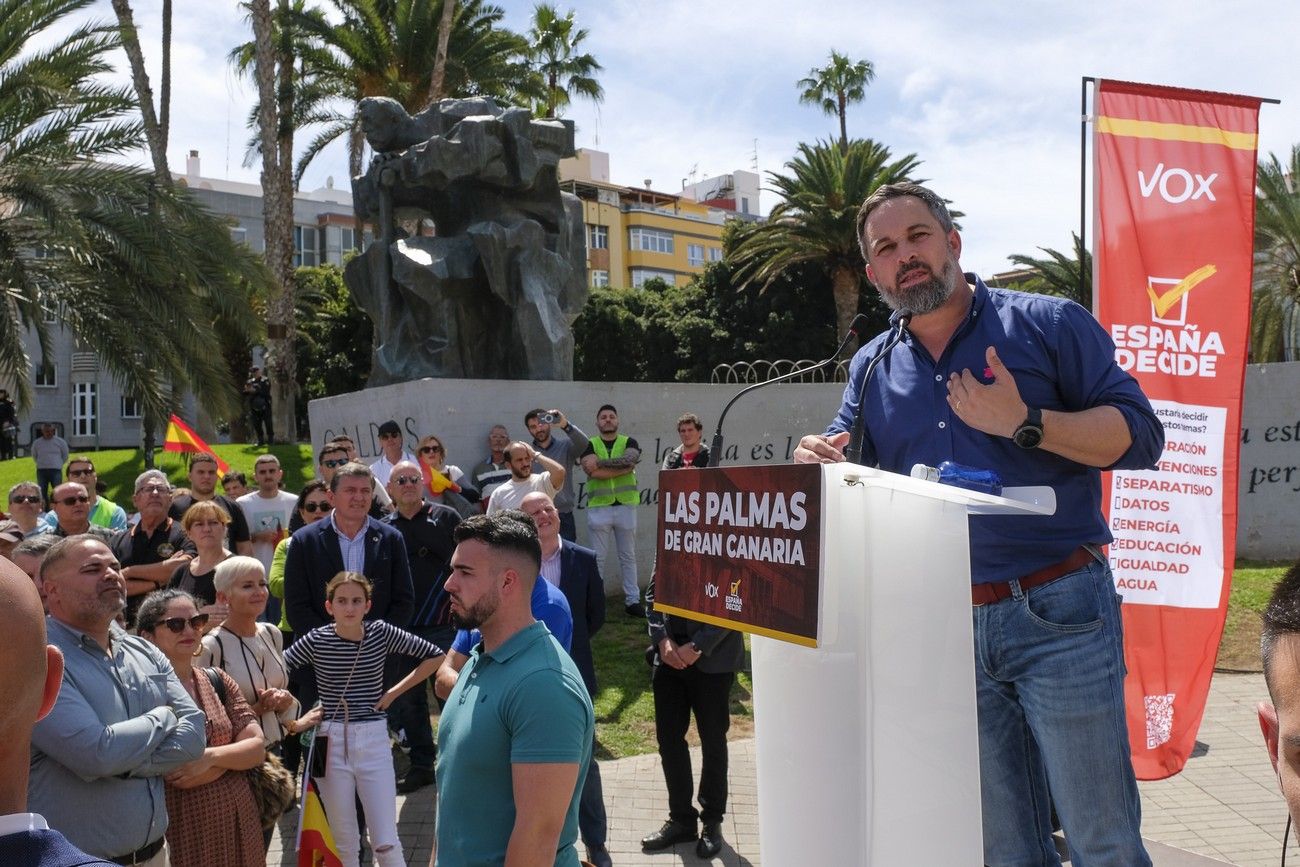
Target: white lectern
x: 867, y: 744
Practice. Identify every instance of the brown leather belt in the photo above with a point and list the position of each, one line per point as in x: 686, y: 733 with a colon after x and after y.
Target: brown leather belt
x: 987, y: 594
x: 141, y: 855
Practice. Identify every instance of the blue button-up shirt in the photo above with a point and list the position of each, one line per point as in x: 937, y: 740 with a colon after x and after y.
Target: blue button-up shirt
x: 1062, y: 360
x: 122, y: 721
x: 353, y: 548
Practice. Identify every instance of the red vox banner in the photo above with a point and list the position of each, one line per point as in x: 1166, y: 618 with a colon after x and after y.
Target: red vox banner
x: 740, y: 547
x: 1175, y: 217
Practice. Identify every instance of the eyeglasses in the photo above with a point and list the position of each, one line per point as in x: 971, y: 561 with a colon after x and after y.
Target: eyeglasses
x: 428, y: 450
x: 25, y: 498
x: 333, y: 465
x: 153, y: 489
x: 407, y: 480
x: 87, y: 471
x: 177, y: 624
x: 72, y: 501
x: 313, y: 508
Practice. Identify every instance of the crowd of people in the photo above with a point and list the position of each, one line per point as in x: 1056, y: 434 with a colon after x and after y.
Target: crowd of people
x: 211, y: 630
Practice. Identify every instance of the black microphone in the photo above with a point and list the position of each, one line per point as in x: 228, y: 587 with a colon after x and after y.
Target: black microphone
x: 856, y: 328
x: 898, y: 323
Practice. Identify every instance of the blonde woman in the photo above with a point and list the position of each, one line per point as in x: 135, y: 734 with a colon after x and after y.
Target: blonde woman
x: 443, y: 482
x: 252, y: 652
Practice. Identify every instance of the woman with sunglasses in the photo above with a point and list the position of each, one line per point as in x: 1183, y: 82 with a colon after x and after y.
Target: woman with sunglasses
x: 349, y: 658
x: 444, y: 483
x: 205, y: 524
x: 212, y: 817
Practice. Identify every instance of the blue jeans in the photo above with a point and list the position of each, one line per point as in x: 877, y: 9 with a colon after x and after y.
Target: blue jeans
x: 47, y: 480
x: 1049, y: 673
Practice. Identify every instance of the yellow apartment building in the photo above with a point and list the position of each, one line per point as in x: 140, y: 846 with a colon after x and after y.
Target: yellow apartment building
x: 635, y: 234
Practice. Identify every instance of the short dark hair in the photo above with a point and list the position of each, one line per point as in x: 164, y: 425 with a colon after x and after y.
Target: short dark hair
x: 510, y: 531
x: 234, y: 476
x: 691, y: 419
x: 938, y: 208
x: 607, y: 406
x: 352, y: 470
x: 532, y: 414
x: 331, y: 446
x: 1281, y: 617
x: 78, y: 459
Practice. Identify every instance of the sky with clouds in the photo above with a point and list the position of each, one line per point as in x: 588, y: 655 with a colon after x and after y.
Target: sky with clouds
x: 986, y: 94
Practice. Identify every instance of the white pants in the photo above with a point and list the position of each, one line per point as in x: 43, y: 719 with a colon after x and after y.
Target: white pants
x: 360, y: 765
x: 616, y: 525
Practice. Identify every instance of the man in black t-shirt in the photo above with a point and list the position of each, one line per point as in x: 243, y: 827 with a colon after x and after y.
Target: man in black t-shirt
x: 203, y: 486
x: 151, y: 551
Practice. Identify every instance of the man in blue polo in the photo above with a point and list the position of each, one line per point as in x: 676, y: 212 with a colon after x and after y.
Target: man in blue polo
x: 516, y: 733
x: 1026, y: 385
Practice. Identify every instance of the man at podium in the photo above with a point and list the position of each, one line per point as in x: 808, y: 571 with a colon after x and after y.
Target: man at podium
x: 1025, y: 385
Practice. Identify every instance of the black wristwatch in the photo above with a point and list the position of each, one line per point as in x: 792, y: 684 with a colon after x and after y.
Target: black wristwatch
x: 1030, y: 433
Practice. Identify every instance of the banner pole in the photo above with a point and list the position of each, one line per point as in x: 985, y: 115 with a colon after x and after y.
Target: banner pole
x: 1083, y: 185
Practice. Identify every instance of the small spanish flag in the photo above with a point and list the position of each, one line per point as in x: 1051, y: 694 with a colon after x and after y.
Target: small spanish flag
x: 436, y: 481
x: 315, y: 842
x: 181, y: 437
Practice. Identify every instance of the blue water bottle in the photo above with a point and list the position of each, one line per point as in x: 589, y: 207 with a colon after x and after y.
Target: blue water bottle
x: 960, y: 476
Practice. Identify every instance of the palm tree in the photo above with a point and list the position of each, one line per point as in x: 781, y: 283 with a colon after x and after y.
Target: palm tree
x: 1275, y: 295
x: 138, y: 271
x: 553, y: 51
x: 833, y: 86
x: 1059, y: 274
x: 815, y: 221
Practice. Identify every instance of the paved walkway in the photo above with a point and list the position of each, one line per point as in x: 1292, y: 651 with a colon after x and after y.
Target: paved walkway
x: 1224, y: 806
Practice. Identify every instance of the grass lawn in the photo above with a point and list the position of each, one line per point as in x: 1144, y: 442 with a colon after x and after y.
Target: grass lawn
x: 118, y: 468
x: 625, y: 714
x: 1252, y: 582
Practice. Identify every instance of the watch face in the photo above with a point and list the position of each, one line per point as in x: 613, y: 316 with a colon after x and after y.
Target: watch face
x: 1028, y: 437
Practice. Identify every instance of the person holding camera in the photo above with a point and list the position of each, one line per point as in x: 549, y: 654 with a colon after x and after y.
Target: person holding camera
x: 523, y: 481
x: 565, y: 451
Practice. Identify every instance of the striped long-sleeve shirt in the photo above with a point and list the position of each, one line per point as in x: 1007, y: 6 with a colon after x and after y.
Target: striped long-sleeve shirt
x: 350, y: 674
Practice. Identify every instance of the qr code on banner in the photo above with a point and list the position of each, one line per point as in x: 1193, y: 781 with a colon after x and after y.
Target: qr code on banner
x: 1160, y: 719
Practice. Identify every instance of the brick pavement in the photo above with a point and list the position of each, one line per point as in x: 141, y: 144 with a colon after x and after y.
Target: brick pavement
x: 1225, y: 804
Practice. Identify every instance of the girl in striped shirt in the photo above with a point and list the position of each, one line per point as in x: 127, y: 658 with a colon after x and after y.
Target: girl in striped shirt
x: 348, y: 657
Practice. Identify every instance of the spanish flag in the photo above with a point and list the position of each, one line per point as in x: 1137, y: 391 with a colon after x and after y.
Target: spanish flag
x: 181, y: 437
x: 315, y: 842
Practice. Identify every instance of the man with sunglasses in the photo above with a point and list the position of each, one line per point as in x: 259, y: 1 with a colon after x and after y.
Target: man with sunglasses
x: 394, y: 452
x: 121, y: 722
x: 151, y: 551
x: 70, y: 507
x: 25, y: 509
x: 427, y: 530
x: 332, y: 455
x: 103, y: 511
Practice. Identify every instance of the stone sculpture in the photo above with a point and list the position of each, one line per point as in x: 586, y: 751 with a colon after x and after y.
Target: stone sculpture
x: 478, y: 265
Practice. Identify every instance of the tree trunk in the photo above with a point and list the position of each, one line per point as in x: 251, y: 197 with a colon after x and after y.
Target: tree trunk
x: 165, y: 74
x: 844, y: 129
x: 845, y: 289
x: 438, y: 83
x: 153, y: 131
x: 269, y: 62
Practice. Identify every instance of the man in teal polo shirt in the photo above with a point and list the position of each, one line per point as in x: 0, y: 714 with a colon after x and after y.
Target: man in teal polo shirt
x: 516, y: 732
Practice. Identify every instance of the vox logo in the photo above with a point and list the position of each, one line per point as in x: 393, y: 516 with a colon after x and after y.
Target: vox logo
x: 1176, y: 185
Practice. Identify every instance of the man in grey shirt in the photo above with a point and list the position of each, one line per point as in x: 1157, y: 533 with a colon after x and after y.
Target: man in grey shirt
x: 565, y: 451
x: 50, y: 452
x: 122, y: 719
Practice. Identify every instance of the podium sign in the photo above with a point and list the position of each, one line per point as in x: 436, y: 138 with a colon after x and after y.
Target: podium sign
x: 740, y: 547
